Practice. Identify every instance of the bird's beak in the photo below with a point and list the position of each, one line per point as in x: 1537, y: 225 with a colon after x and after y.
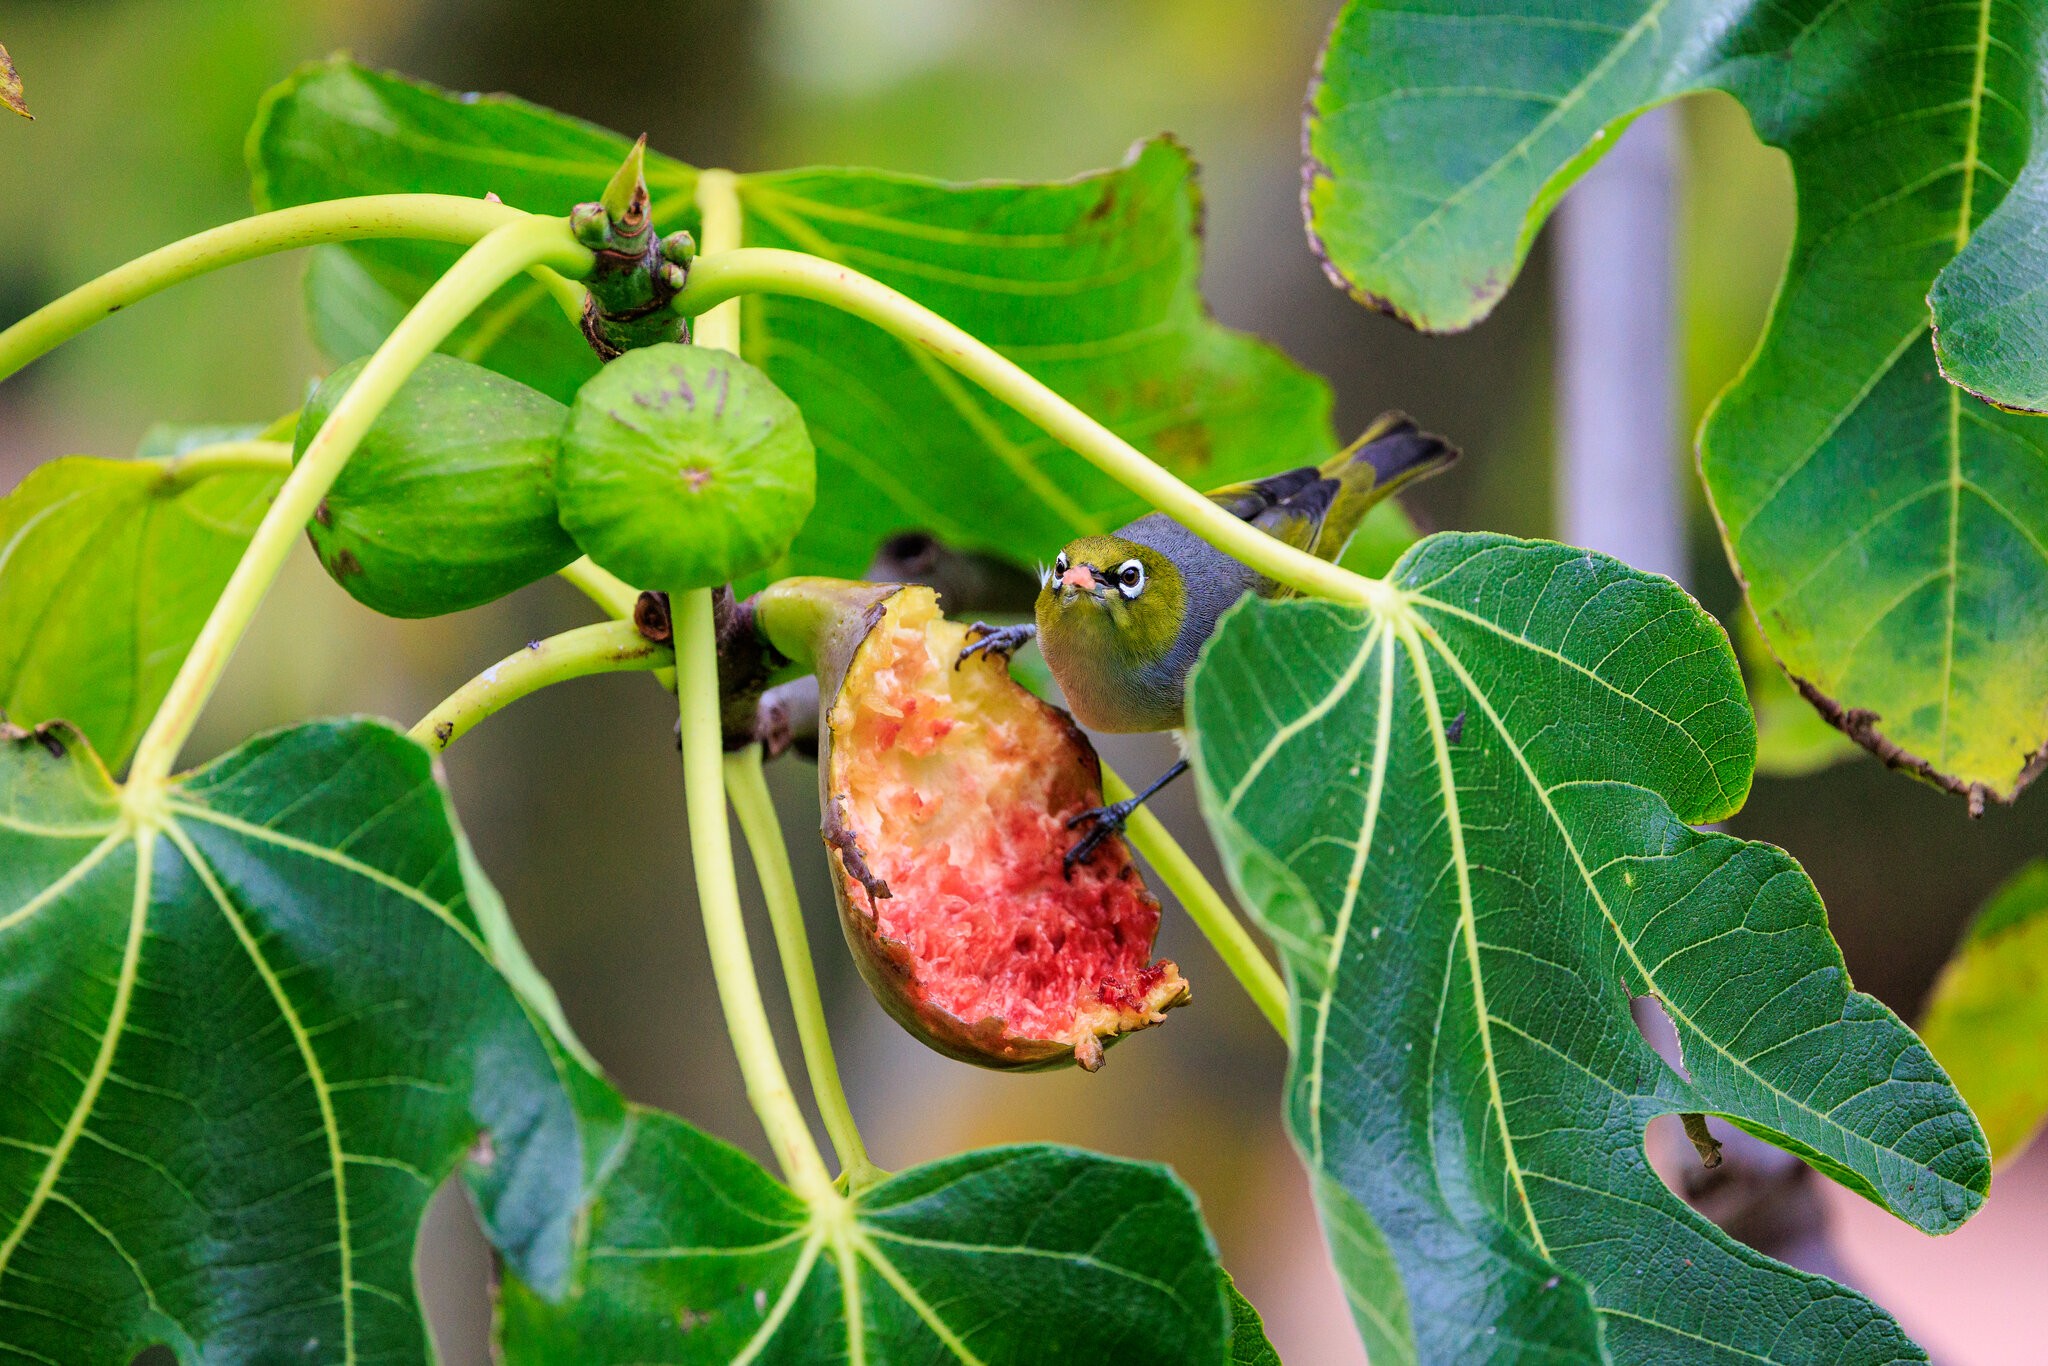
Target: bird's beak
x: 1081, y: 576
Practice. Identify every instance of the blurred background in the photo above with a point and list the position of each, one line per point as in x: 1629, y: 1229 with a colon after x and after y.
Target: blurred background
x: 574, y: 798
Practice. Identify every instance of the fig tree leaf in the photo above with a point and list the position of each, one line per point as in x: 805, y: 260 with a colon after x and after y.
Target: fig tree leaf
x: 1988, y: 1017
x: 690, y: 1252
x: 1248, y: 1345
x: 1892, y: 533
x: 334, y: 129
x: 1466, y: 821
x: 245, y: 1031
x: 107, y: 571
x: 1091, y: 284
x: 684, y: 467
x: 10, y: 86
x: 1990, y: 327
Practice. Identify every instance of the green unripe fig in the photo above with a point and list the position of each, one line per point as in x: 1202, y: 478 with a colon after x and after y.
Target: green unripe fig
x: 449, y: 502
x: 684, y: 467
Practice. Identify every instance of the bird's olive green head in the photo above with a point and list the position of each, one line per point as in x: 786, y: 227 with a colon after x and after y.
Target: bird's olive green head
x: 1112, y: 599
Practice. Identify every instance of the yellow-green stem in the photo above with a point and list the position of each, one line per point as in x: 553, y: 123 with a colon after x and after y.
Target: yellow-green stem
x: 715, y: 278
x: 521, y: 243
x: 228, y: 457
x: 613, y: 595
x: 430, y: 217
x: 606, y: 647
x: 718, y: 896
x: 718, y: 206
x: 1206, y: 907
x: 746, y: 786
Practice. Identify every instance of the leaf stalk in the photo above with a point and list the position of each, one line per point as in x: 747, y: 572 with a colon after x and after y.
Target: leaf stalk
x: 227, y: 457
x: 428, y: 217
x: 504, y: 253
x: 725, y: 932
x: 604, y: 647
x: 719, y: 277
x: 718, y: 204
x: 746, y: 786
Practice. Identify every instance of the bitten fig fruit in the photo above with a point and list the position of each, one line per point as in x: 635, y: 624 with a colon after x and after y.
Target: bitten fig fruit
x: 684, y: 467
x: 449, y: 502
x: 947, y: 793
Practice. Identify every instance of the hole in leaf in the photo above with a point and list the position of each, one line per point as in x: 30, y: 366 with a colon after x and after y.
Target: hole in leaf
x: 1657, y: 1030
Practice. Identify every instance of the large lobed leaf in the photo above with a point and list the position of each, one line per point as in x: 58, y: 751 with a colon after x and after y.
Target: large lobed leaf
x: 244, y: 1034
x: 1464, y: 819
x: 691, y: 1253
x: 1988, y: 1017
x: 107, y: 571
x: 1090, y: 284
x: 1892, y: 533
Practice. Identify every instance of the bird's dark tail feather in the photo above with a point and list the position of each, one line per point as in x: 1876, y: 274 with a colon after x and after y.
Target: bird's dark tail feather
x: 1388, y: 455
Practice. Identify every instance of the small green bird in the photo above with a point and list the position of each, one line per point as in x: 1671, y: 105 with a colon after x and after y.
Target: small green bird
x: 1121, y: 617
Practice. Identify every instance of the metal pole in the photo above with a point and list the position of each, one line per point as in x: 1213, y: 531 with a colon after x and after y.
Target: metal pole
x: 1619, y: 467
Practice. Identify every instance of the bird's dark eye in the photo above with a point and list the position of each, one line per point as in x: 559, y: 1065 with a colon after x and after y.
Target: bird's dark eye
x: 1130, y: 578
x: 1059, y: 566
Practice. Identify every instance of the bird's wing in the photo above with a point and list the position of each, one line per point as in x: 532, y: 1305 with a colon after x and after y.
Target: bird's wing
x: 1387, y: 455
x: 1318, y: 509
x: 1288, y: 507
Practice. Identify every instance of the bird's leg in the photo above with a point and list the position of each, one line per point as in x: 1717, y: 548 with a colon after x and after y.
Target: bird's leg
x: 997, y: 642
x: 1104, y: 821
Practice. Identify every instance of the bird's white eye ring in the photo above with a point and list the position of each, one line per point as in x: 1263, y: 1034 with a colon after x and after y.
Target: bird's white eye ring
x: 1059, y: 566
x: 1130, y: 578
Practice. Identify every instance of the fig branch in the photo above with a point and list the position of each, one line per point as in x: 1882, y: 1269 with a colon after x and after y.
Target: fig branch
x: 732, y: 962
x: 429, y: 217
x: 717, y: 277
x: 1205, y: 906
x: 746, y: 787
x: 605, y: 647
x: 505, y: 252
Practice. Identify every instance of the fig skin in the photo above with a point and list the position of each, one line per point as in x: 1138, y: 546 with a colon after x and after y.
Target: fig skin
x: 827, y: 624
x: 449, y: 502
x: 684, y: 467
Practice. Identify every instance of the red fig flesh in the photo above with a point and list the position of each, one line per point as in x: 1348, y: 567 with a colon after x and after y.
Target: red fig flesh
x: 948, y: 792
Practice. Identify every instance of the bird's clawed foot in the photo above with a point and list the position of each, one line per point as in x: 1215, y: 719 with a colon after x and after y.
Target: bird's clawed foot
x: 1102, y: 822
x: 996, y: 642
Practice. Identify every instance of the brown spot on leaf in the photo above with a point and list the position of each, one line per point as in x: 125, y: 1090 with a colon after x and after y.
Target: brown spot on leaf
x: 1860, y: 725
x: 1185, y: 445
x: 345, y: 564
x: 10, y: 86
